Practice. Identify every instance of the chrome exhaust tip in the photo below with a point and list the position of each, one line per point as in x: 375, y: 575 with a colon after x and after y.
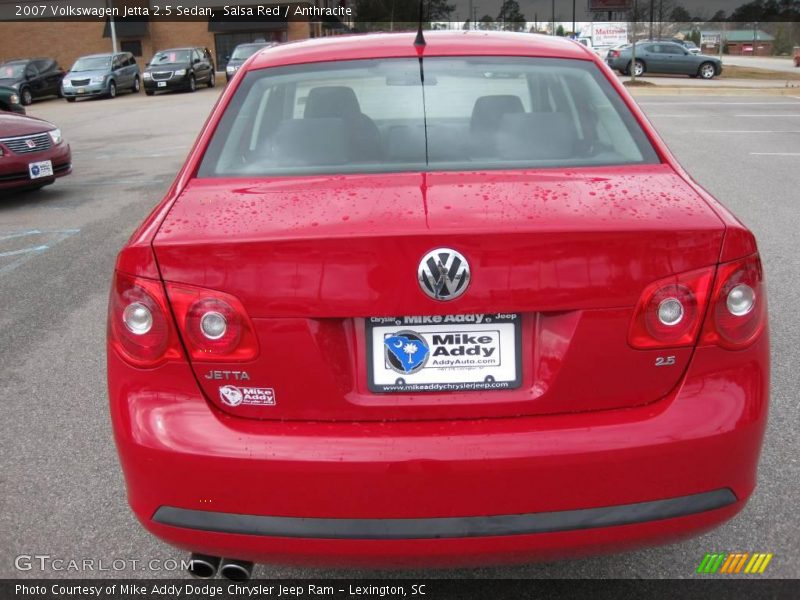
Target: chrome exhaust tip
x: 236, y: 570
x: 203, y: 566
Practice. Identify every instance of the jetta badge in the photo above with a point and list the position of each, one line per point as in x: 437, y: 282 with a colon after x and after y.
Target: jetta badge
x: 443, y: 274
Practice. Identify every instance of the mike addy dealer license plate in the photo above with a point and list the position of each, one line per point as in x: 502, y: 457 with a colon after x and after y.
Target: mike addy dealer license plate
x: 444, y: 353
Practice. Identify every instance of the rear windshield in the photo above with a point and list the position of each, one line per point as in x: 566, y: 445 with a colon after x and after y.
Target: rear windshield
x: 370, y: 116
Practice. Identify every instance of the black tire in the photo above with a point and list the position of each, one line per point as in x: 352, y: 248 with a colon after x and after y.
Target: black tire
x: 70, y: 99
x: 25, y: 96
x: 638, y: 66
x: 137, y: 85
x: 112, y: 90
x: 192, y: 84
x: 212, y: 79
x: 707, y: 70
x: 149, y: 92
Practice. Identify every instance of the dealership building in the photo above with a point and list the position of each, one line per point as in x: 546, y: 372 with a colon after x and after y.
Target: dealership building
x: 143, y: 35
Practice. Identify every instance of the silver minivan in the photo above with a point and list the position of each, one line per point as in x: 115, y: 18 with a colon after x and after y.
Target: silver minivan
x: 101, y: 75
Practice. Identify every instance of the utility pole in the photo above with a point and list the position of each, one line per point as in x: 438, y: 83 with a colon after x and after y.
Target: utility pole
x: 651, y: 19
x: 112, y: 27
x: 553, y: 20
x: 633, y: 46
x: 574, y: 33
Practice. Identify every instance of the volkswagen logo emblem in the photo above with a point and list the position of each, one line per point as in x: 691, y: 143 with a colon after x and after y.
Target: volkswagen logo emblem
x: 443, y: 274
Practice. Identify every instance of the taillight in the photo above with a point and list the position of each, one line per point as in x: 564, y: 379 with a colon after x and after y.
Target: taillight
x: 139, y: 322
x: 670, y: 311
x: 739, y: 305
x: 214, y: 324
x: 614, y: 53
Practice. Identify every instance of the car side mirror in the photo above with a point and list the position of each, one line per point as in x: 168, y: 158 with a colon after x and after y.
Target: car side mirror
x: 196, y: 60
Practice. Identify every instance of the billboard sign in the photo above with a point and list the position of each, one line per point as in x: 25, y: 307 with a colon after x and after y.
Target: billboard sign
x: 609, y: 34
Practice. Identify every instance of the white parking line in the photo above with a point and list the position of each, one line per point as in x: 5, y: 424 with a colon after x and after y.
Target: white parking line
x: 21, y: 255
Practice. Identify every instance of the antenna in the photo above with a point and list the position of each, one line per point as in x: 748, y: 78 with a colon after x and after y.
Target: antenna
x: 420, y: 39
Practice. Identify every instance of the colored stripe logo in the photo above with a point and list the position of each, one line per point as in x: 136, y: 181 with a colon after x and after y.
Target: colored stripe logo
x: 733, y: 563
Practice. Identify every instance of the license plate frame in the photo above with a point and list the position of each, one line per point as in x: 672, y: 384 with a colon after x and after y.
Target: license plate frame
x: 40, y: 169
x: 463, y: 353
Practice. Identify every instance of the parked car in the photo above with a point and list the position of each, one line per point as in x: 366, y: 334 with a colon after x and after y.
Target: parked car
x: 588, y: 43
x: 10, y: 101
x: 690, y: 46
x: 491, y: 321
x: 32, y: 78
x: 179, y: 69
x: 664, y: 57
x: 102, y: 75
x: 32, y: 153
x: 240, y: 54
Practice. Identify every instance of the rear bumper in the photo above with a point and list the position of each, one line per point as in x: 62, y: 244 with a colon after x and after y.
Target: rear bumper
x: 435, y: 492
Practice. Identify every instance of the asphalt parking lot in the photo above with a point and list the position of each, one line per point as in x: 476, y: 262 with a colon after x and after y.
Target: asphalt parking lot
x: 62, y: 489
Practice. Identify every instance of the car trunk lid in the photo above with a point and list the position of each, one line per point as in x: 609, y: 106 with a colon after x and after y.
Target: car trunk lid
x: 317, y: 262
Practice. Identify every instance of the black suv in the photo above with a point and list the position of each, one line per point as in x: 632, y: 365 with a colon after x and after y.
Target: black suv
x: 179, y: 69
x: 32, y: 78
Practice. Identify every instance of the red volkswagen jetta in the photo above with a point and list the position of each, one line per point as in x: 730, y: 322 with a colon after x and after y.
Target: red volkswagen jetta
x: 443, y: 304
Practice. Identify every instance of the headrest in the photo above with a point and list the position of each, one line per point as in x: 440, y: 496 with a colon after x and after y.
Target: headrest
x: 488, y: 111
x: 331, y: 101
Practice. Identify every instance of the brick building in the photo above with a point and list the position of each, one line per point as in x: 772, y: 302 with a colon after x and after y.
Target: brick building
x: 143, y: 36
x: 737, y: 41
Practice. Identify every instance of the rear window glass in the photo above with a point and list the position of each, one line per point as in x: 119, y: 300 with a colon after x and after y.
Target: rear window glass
x: 470, y: 113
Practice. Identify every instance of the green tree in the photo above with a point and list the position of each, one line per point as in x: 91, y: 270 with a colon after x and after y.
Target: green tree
x: 380, y: 12
x: 486, y: 22
x: 560, y: 30
x: 680, y: 15
x: 510, y: 16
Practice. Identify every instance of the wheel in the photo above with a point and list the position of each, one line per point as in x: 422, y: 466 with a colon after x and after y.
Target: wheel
x: 25, y: 96
x: 212, y: 80
x: 638, y: 68
x: 137, y: 86
x: 149, y: 92
x: 70, y: 99
x: 112, y: 90
x: 192, y: 83
x: 707, y: 71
